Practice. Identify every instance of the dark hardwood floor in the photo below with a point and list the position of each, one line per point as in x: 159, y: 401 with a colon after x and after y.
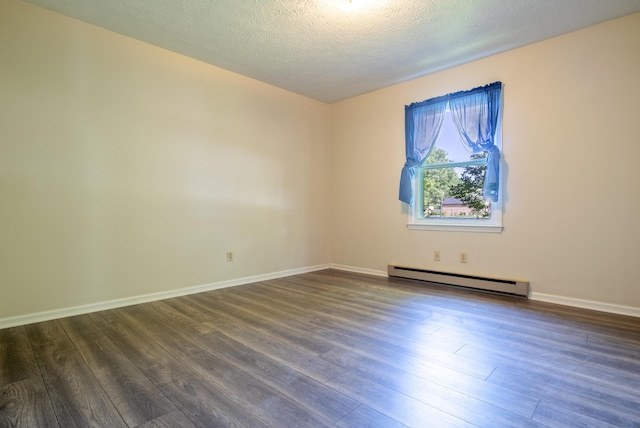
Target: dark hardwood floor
x: 325, y: 349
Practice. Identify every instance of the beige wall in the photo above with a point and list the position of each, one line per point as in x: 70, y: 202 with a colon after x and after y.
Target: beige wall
x: 571, y: 146
x: 126, y: 169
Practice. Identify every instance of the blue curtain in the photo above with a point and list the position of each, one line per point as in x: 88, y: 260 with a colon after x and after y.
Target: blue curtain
x: 422, y: 123
x: 475, y: 114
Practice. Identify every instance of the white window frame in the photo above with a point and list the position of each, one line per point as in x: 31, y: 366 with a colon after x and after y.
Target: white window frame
x: 417, y: 221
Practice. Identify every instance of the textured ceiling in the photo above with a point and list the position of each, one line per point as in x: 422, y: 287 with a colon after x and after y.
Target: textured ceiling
x: 318, y: 49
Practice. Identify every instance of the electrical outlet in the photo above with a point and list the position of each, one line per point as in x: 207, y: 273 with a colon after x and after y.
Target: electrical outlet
x: 436, y: 256
x: 229, y: 256
x: 463, y: 257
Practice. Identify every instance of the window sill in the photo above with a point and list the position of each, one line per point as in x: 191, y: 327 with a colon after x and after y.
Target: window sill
x: 456, y: 227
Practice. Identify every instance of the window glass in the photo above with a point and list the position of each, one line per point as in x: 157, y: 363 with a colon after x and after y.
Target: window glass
x: 449, y: 141
x: 453, y: 178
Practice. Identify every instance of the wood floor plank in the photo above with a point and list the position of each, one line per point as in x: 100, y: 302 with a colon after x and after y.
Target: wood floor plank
x: 322, y: 317
x: 177, y: 346
x: 182, y: 305
x: 316, y: 306
x: 545, y: 333
x: 618, y: 341
x: 553, y: 353
x: 175, y: 419
x: 400, y: 407
x: 419, y: 304
x: 207, y: 406
x: 275, y: 327
x: 26, y: 404
x: 339, y: 333
x: 153, y: 360
x: 366, y: 417
x: 156, y: 327
x: 313, y: 395
x: 303, y: 362
x: 502, y: 355
x: 420, y: 376
x: 177, y: 319
x: 552, y: 414
x: 375, y: 348
x: 460, y: 405
x: 363, y: 296
x: 600, y: 397
x: 17, y: 360
x: 458, y: 322
x: 609, y: 376
x: 258, y: 398
x: 479, y: 347
x: 574, y: 341
x: 48, y: 338
x: 539, y: 384
x: 80, y: 325
x: 341, y: 303
x: 171, y: 331
x: 76, y: 396
x: 8, y: 335
x: 135, y: 397
x: 358, y: 320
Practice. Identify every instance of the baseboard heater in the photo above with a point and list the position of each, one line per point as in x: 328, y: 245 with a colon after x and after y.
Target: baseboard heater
x: 520, y: 288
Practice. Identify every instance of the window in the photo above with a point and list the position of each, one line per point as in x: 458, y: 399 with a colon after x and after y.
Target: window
x: 453, y: 162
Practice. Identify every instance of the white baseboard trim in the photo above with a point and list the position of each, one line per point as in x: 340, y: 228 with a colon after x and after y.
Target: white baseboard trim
x: 586, y: 304
x: 358, y: 270
x: 128, y: 301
